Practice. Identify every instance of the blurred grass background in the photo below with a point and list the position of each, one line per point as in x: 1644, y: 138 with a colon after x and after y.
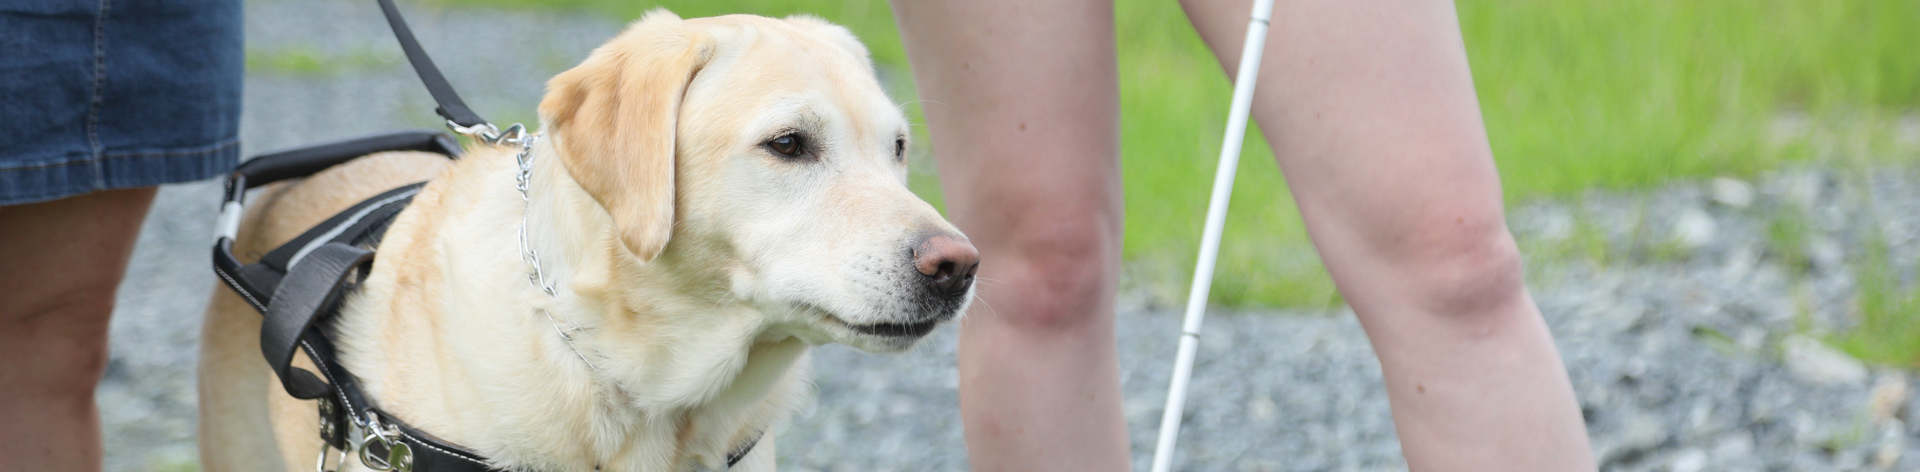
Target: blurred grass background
x: 1577, y: 95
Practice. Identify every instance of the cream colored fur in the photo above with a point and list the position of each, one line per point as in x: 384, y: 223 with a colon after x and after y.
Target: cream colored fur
x: 698, y: 265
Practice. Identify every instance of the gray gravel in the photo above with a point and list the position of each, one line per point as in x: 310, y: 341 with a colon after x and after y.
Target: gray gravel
x: 1688, y: 341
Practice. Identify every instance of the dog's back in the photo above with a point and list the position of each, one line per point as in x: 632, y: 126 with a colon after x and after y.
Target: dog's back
x: 238, y: 394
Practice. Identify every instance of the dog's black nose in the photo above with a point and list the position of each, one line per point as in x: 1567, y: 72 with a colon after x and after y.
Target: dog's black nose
x: 948, y: 262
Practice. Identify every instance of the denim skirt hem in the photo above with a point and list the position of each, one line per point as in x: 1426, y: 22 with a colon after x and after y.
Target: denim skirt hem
x: 31, y: 180
x: 112, y: 94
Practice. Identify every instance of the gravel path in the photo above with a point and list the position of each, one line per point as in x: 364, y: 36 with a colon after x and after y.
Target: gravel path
x: 1684, y: 343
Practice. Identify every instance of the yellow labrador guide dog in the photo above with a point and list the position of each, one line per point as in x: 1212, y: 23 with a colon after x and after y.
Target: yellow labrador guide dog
x: 709, y: 198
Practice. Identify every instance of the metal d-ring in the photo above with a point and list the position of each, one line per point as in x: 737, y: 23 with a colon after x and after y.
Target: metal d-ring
x: 399, y: 457
x: 367, y: 457
x: 320, y: 464
x: 399, y: 454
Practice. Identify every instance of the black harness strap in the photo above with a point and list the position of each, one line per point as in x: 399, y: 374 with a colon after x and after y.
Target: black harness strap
x: 360, y: 225
x: 308, y: 277
x: 314, y: 285
x: 450, y: 105
x: 431, y: 453
x: 298, y: 285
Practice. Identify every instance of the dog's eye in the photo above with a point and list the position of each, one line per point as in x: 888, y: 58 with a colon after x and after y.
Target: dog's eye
x: 899, y: 149
x: 788, y: 145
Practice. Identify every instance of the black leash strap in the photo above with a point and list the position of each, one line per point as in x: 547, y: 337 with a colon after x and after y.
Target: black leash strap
x: 450, y: 107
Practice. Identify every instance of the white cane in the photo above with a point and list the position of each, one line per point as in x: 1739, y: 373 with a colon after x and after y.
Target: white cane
x: 1210, y: 240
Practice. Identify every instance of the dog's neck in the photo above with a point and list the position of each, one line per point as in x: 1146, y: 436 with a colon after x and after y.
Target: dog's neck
x: 660, y: 373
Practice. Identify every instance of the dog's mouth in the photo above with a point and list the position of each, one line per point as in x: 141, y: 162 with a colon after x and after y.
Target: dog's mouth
x: 898, y: 330
x: 909, y: 330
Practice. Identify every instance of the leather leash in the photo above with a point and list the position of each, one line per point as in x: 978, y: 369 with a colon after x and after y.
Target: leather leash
x: 451, y: 107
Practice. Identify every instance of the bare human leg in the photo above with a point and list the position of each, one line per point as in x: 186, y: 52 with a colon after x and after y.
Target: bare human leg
x: 1022, y: 101
x: 1370, y: 108
x: 64, y: 259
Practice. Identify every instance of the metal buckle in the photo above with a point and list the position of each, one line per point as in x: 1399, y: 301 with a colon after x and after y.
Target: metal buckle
x: 399, y: 454
x: 485, y: 132
x: 515, y: 134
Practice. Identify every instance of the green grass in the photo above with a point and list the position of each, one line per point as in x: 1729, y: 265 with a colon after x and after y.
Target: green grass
x: 1788, y: 235
x: 1888, y: 323
x: 1624, y: 94
x: 1888, y: 327
x: 1887, y: 300
x: 309, y: 62
x: 871, y: 20
x: 291, y: 61
x: 173, y: 464
x: 1577, y: 94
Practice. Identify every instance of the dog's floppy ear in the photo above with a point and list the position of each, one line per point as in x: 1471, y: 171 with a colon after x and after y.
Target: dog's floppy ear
x: 612, y: 119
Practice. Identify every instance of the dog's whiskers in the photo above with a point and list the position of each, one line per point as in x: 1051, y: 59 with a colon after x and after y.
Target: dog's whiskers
x: 983, y: 302
x: 910, y: 102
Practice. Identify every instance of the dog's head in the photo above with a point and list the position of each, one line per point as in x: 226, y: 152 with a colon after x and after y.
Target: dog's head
x: 760, y: 159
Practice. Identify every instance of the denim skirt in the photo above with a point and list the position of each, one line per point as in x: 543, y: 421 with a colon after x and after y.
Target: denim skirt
x: 108, y: 94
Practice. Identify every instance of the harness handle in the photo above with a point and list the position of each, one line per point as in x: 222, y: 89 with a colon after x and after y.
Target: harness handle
x: 258, y: 283
x: 308, y: 160
x: 254, y: 286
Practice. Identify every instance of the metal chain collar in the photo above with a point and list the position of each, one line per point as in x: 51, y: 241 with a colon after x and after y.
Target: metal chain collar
x: 369, y: 428
x: 523, y: 181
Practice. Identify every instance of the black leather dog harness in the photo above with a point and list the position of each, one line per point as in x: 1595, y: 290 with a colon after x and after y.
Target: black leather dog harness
x: 300, y: 284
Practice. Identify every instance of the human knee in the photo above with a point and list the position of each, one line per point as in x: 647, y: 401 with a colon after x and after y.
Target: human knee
x: 59, y: 340
x: 1054, y: 273
x: 1464, y: 264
